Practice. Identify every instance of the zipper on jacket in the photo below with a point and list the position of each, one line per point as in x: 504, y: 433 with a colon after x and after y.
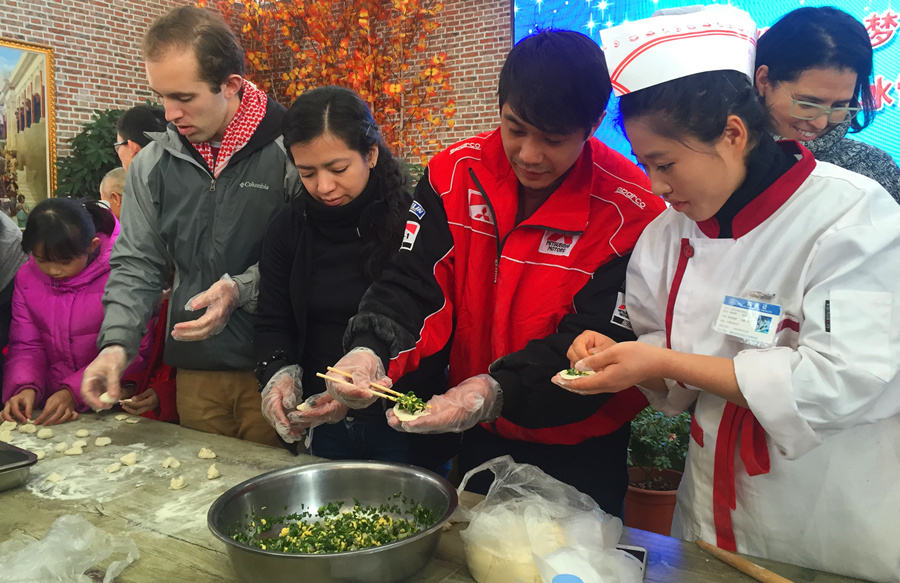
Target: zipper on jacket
x: 494, y: 221
x: 212, y: 184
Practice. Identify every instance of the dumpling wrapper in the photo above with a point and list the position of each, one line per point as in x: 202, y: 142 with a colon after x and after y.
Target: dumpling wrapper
x: 404, y: 415
x: 571, y: 377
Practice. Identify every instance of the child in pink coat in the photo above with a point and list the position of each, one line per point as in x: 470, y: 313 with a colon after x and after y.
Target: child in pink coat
x: 57, y: 310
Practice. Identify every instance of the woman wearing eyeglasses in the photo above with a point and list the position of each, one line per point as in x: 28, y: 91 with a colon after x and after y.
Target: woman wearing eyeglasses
x: 813, y: 69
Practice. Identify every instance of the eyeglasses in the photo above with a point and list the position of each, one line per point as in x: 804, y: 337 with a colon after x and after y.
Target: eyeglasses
x: 117, y: 145
x: 809, y: 111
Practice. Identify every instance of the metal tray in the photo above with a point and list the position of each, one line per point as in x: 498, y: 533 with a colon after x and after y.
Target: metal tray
x: 15, y: 463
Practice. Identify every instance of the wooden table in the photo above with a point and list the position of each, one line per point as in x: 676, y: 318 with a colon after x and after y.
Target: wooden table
x: 169, y: 526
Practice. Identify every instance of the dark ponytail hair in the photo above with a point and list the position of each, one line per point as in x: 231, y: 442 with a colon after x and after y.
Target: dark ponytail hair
x: 65, y: 227
x: 820, y: 37
x: 343, y: 114
x: 698, y: 106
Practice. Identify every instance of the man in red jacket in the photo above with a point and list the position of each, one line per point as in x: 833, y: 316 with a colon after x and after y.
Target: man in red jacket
x: 517, y: 241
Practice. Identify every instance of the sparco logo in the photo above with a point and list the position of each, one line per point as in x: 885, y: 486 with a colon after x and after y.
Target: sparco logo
x: 473, y: 145
x: 254, y: 185
x: 631, y: 196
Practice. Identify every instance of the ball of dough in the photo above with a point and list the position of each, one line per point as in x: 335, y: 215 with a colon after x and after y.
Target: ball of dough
x: 7, y: 425
x: 74, y: 450
x: 133, y: 420
x: 40, y: 454
x: 113, y: 468
x: 122, y: 417
x: 61, y: 446
x: 206, y: 453
x: 82, y: 433
x: 6, y: 436
x: 106, y: 398
x: 212, y: 473
x: 45, y: 433
x: 129, y: 459
x: 102, y: 441
x: 28, y: 428
x: 55, y: 478
x: 177, y: 483
x: 79, y: 443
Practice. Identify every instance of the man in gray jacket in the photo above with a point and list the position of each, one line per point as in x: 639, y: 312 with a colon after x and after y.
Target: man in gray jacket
x: 198, y: 199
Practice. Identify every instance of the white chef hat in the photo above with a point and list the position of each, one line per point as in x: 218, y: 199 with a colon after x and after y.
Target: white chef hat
x: 678, y: 43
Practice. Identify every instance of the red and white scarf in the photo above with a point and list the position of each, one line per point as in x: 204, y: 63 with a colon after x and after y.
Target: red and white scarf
x: 239, y: 131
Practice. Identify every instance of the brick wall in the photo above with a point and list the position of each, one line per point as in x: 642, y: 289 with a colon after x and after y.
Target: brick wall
x: 96, y: 47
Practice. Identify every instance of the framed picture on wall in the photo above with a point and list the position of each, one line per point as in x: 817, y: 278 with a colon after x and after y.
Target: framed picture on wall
x: 27, y: 126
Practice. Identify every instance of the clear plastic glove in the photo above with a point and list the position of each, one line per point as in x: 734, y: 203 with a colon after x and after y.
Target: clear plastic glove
x: 280, y: 396
x: 102, y: 376
x: 314, y: 411
x: 366, y: 368
x: 472, y: 401
x: 220, y: 300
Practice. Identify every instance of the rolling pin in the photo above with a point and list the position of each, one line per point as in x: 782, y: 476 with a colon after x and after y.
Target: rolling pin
x: 742, y: 564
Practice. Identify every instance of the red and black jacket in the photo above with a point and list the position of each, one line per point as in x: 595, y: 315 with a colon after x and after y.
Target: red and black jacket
x: 471, y: 287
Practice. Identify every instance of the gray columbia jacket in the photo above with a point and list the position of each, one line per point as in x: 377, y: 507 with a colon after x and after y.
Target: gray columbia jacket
x: 176, y: 217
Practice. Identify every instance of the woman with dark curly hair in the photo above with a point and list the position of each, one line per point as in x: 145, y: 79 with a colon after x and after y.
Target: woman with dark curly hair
x: 318, y: 258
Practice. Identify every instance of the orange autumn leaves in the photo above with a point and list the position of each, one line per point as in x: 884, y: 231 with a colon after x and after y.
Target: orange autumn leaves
x: 383, y: 50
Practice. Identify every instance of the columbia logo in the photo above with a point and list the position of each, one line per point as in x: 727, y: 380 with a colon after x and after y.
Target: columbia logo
x: 631, y: 196
x: 254, y: 185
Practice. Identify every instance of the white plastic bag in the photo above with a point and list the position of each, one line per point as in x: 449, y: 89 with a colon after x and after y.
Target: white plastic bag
x: 531, y: 527
x: 71, y: 546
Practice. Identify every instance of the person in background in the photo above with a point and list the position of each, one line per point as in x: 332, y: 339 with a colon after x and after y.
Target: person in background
x: 155, y: 395
x: 197, y: 201
x: 131, y: 129
x: 764, y: 299
x: 318, y: 258
x: 21, y: 211
x: 111, y: 188
x: 56, y: 310
x: 813, y: 73
x: 11, y: 258
x: 516, y: 242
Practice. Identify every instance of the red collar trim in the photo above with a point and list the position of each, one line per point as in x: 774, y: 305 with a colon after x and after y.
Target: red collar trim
x: 770, y: 200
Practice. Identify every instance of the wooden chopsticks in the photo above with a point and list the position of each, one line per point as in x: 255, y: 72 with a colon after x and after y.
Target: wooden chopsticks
x: 376, y: 389
x: 742, y: 564
x: 343, y: 382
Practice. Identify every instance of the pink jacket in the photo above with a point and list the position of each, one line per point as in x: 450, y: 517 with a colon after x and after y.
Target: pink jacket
x: 55, y: 323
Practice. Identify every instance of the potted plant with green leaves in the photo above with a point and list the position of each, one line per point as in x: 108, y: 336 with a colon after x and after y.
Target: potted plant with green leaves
x: 656, y: 455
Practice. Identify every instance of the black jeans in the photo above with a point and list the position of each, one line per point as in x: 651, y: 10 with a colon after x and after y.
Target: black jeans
x: 595, y: 467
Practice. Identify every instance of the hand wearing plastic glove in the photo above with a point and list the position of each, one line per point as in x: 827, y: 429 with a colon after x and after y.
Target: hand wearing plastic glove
x: 220, y: 300
x: 314, y: 411
x: 366, y: 368
x: 280, y: 396
x: 475, y: 400
x: 102, y: 376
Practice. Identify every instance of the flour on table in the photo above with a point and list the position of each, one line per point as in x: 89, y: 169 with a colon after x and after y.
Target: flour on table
x: 177, y: 483
x: 28, y: 428
x: 206, y: 454
x: 45, y: 433
x: 102, y: 441
x: 171, y: 462
x: 82, y: 433
x: 212, y: 473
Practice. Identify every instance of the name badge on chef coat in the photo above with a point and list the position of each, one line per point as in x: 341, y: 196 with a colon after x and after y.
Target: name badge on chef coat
x: 750, y: 320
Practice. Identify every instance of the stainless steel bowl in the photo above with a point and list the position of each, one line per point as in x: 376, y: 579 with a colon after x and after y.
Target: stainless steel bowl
x: 285, y: 491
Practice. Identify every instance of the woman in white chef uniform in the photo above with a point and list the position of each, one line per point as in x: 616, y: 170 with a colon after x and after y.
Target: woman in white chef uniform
x: 768, y: 299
